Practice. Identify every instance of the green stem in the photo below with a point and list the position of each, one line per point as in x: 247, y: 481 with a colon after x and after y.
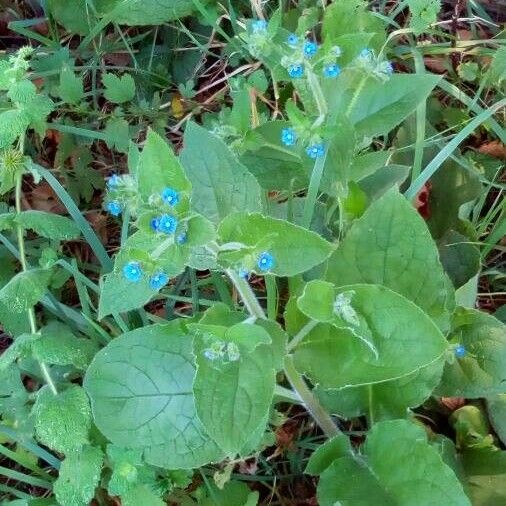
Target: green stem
x: 371, y: 411
x: 421, y: 111
x: 355, y: 96
x: 24, y: 266
x: 248, y: 297
x: 272, y: 296
x: 321, y: 417
x: 305, y: 395
x: 319, y: 97
x: 303, y: 332
x: 312, y: 192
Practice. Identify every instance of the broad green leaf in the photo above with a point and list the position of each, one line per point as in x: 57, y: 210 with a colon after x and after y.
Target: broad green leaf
x: 21, y: 346
x: 141, y: 494
x: 145, y: 12
x: 234, y: 493
x: 325, y: 454
x: 50, y: 225
x: 128, y: 470
x: 387, y: 400
x: 221, y: 184
x: 118, y: 89
x: 275, y: 166
x: 461, y: 260
x: 147, y: 376
x: 295, y: 249
x: 13, y: 394
x: 423, y: 13
x: 381, y: 106
x: 451, y: 187
x: 22, y: 91
x: 158, y: 168
x: 377, y: 184
x: 62, y: 421
x: 74, y: 16
x: 378, y: 339
x: 234, y: 384
x: 480, y: 373
x: 24, y: 290
x: 496, y: 407
x: 390, y: 245
x: 485, y: 469
x: 59, y: 346
x: 14, y: 122
x: 37, y: 111
x: 396, y: 466
x: 79, y: 477
x: 117, y: 134
x: 71, y: 87
x: 366, y: 164
x: 118, y: 294
x: 352, y: 17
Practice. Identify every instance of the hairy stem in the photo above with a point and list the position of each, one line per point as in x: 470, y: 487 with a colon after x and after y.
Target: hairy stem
x: 22, y: 258
x: 296, y: 380
x: 321, y: 417
x: 248, y: 297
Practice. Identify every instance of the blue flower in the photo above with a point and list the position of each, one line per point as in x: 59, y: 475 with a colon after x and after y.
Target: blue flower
x: 167, y: 224
x: 309, y: 48
x: 243, y: 273
x: 388, y: 68
x: 114, y: 207
x: 258, y: 26
x: 181, y: 238
x: 460, y: 351
x: 288, y: 136
x: 315, y: 150
x: 296, y: 70
x: 132, y: 271
x: 113, y: 182
x: 292, y: 40
x: 265, y: 261
x: 170, y: 196
x: 332, y: 70
x: 155, y: 224
x: 158, y: 280
x: 366, y: 54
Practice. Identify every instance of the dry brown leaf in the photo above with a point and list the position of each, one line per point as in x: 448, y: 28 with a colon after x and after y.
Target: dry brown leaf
x: 453, y: 403
x: 494, y: 148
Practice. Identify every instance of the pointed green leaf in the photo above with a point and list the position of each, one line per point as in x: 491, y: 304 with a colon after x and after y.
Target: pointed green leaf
x: 25, y: 289
x: 234, y: 384
x: 480, y: 373
x: 387, y: 400
x: 390, y: 245
x: 62, y: 421
x: 71, y: 87
x: 294, y: 249
x: 158, y: 168
x: 396, y: 466
x: 221, y: 184
x: 50, y: 225
x: 381, y: 106
x: 147, y: 376
x: 79, y: 477
x: 118, y: 89
x: 378, y: 339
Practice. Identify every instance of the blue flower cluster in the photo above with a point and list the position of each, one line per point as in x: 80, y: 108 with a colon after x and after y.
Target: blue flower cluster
x: 289, y: 138
x: 165, y: 224
x: 309, y: 49
x: 170, y: 196
x: 132, y: 271
x: 114, y: 207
